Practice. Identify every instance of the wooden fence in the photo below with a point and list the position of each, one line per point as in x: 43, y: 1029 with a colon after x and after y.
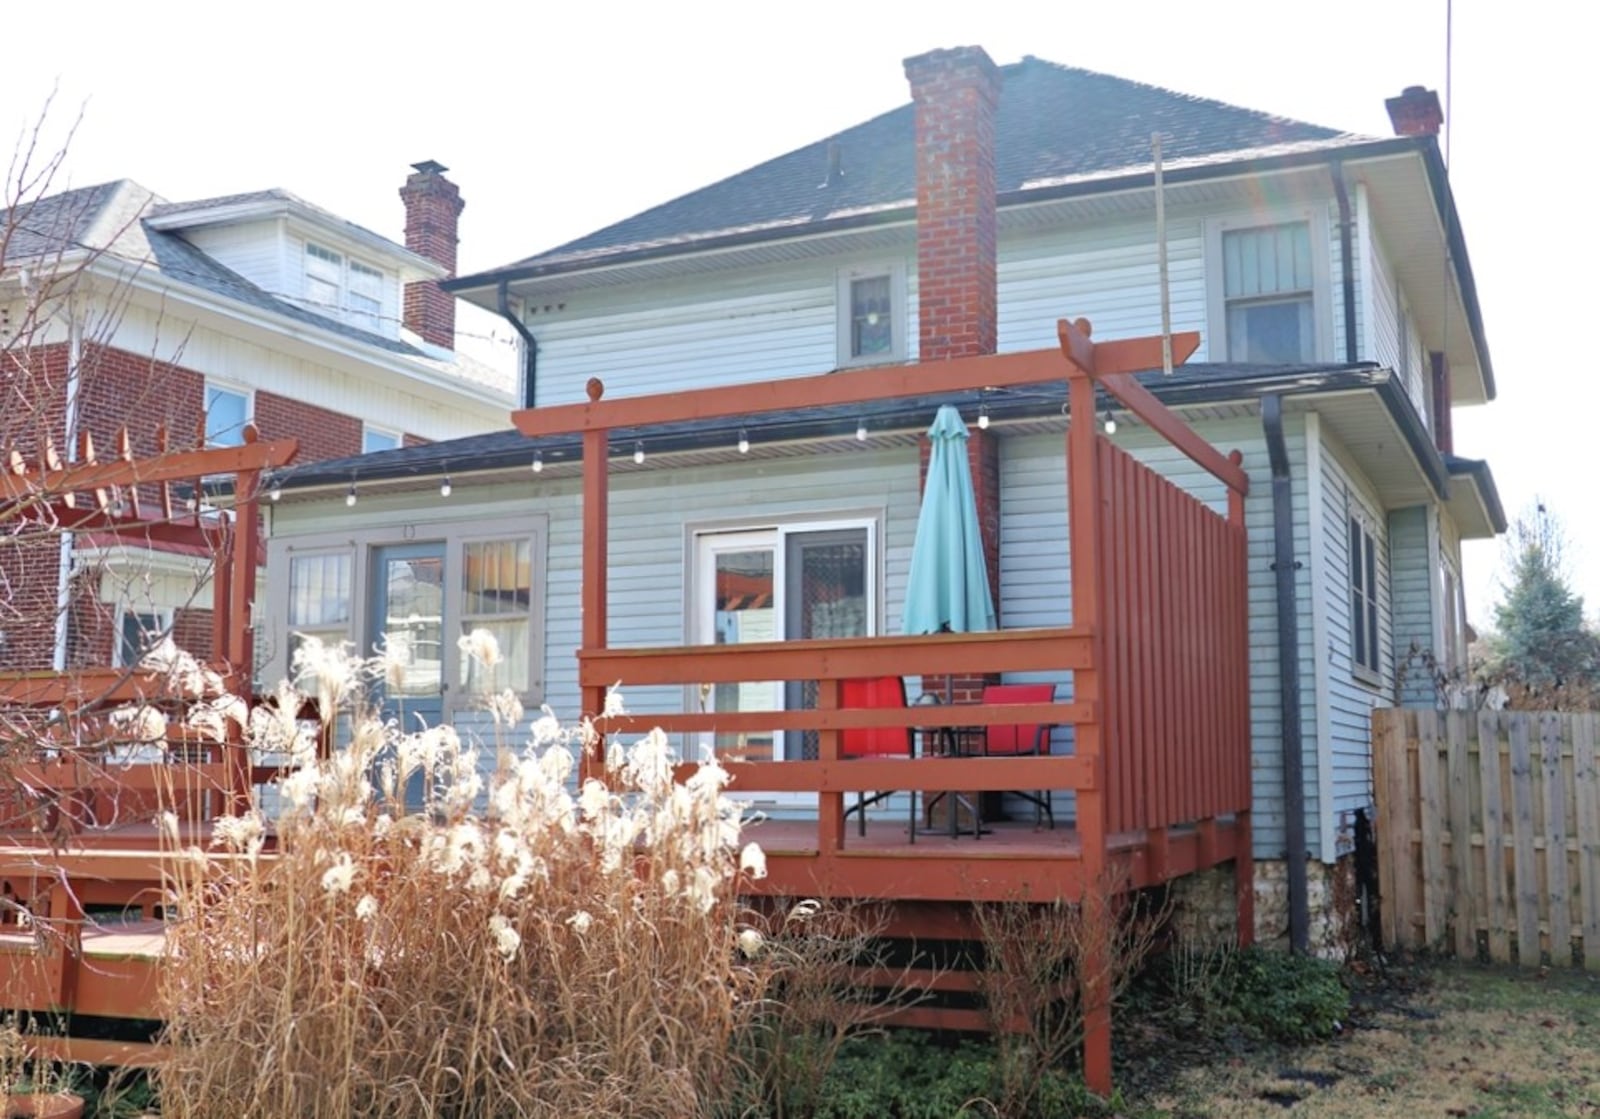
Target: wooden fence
x: 1489, y: 833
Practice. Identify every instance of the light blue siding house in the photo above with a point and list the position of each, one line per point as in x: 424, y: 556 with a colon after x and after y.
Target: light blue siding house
x: 1328, y: 277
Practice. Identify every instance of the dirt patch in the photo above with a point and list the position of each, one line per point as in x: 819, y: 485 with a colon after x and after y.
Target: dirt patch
x: 1449, y: 1040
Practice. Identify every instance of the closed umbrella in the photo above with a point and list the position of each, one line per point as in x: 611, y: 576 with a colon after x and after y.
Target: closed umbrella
x: 948, y: 588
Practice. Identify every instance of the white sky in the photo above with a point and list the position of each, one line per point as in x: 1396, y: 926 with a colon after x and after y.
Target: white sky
x: 558, y: 119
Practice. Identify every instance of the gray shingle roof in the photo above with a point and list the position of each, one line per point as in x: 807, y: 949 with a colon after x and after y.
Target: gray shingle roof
x: 108, y: 218
x: 1055, y: 122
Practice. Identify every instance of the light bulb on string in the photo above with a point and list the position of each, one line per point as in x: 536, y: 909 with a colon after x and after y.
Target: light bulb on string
x: 350, y: 498
x: 1111, y: 423
x: 983, y: 417
x: 444, y: 487
x: 861, y: 430
x: 744, y: 442
x: 538, y: 462
x: 638, y: 453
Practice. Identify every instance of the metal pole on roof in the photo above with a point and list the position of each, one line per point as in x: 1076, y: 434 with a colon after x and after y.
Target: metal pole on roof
x: 1161, y: 259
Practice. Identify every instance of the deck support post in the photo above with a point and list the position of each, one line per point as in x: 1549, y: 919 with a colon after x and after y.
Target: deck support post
x: 1084, y: 498
x: 1244, y: 867
x: 596, y: 504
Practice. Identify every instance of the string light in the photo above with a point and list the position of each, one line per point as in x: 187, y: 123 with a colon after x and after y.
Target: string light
x: 538, y: 462
x: 983, y: 417
x: 638, y: 453
x: 1111, y: 423
x: 350, y: 498
x: 445, y: 487
x: 744, y: 442
x: 861, y: 430
x: 275, y: 493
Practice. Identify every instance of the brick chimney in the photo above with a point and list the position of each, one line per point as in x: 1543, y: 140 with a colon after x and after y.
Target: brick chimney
x: 433, y: 206
x: 957, y: 94
x: 1415, y: 112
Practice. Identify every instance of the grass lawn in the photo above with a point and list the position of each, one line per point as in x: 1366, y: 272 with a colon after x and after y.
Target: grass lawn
x: 1447, y: 1040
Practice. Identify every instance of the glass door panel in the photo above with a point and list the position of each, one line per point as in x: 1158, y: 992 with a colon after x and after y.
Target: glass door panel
x: 826, y: 596
x: 743, y: 598
x: 408, y: 616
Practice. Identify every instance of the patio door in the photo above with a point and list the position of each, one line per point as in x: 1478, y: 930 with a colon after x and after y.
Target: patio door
x: 407, y: 611
x: 786, y: 583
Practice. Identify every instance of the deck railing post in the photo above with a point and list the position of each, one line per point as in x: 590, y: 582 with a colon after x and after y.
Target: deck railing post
x: 1238, y: 710
x: 830, y: 809
x: 1084, y: 514
x: 596, y: 504
x: 241, y: 642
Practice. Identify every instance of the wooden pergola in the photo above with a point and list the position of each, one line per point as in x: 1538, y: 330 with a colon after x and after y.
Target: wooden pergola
x: 71, y: 964
x: 1157, y: 650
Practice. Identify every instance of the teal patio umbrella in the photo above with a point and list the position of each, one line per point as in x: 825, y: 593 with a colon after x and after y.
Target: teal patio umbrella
x: 948, y: 588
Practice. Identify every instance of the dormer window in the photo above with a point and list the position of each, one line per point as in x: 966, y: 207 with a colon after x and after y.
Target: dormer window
x: 344, y: 288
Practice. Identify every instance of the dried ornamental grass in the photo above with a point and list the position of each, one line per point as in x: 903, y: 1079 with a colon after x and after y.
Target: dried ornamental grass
x: 552, y: 953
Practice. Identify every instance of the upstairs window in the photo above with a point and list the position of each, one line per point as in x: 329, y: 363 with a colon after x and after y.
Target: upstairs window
x: 872, y: 316
x: 227, y: 412
x: 344, y: 288
x: 378, y: 439
x: 365, y: 298
x: 138, y: 632
x: 1364, y: 644
x: 1269, y: 293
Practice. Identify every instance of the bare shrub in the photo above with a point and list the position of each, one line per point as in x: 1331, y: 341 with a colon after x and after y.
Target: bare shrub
x: 1043, y: 962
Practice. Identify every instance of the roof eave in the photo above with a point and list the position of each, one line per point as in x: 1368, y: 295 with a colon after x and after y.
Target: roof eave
x: 906, y: 211
x: 1481, y: 496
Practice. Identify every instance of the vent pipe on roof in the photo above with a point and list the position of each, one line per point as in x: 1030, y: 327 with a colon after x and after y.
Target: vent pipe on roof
x: 835, y: 174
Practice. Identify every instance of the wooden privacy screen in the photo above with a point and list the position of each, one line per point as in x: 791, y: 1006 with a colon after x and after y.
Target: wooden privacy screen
x: 1489, y: 833
x: 1176, y: 699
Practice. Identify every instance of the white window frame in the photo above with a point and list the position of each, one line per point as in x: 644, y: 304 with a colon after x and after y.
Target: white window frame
x: 383, y: 432
x: 1366, y: 598
x: 899, y: 317
x: 455, y: 534
x: 1452, y: 602
x: 162, y: 614
x: 369, y: 319
x: 1316, y: 220
x: 743, y: 533
x: 220, y: 385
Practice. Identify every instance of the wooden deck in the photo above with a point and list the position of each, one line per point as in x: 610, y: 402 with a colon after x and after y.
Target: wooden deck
x: 1157, y: 655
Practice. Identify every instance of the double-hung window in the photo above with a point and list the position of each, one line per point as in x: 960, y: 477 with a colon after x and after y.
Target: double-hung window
x: 139, y: 631
x: 1364, y: 640
x: 872, y: 315
x: 344, y: 288
x: 1269, y: 288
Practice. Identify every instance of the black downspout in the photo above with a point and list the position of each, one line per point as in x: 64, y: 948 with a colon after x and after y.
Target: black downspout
x: 1284, y: 567
x: 1347, y: 261
x: 530, y: 346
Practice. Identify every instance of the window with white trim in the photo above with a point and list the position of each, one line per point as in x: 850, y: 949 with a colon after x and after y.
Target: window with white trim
x: 378, y: 439
x: 344, y: 288
x: 1269, y: 293
x: 227, y: 413
x: 1364, y: 639
x: 872, y: 315
x: 1453, y: 655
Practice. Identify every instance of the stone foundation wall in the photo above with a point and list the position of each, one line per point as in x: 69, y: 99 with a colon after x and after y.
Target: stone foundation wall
x: 1204, y: 913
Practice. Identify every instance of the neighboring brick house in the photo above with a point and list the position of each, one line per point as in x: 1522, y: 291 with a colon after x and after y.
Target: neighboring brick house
x: 118, y: 308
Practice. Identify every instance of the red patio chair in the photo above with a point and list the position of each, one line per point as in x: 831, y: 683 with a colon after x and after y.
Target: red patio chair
x: 1022, y: 739
x: 875, y: 742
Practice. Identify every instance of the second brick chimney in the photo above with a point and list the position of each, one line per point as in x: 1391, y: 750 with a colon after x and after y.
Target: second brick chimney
x: 433, y: 208
x: 957, y: 95
x: 1415, y: 112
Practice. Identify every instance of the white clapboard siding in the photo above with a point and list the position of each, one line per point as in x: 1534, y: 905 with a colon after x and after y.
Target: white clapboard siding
x: 1351, y: 699
x: 1035, y: 575
x: 254, y: 249
x: 377, y: 396
x: 1336, y: 289
x: 1106, y: 273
